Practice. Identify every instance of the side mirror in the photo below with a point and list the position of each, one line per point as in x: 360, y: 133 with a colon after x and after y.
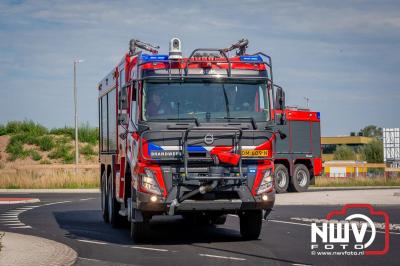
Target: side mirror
x: 280, y: 98
x: 280, y: 118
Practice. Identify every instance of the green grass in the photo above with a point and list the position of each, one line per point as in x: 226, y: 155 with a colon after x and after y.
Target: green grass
x: 35, y: 155
x: 62, y: 151
x: 88, y: 151
x: 45, y: 161
x: 65, y: 131
x: 46, y: 143
x: 85, y: 133
x: 88, y: 134
x: 16, y: 150
x: 15, y: 127
x: 55, y: 141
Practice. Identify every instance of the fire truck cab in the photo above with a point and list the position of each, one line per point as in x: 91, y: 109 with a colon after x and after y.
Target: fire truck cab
x: 187, y: 136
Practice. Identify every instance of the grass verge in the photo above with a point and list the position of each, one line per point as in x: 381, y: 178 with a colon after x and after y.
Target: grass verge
x: 322, y: 181
x: 50, y: 178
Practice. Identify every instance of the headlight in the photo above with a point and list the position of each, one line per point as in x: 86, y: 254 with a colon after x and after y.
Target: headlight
x: 149, y: 183
x: 267, y: 182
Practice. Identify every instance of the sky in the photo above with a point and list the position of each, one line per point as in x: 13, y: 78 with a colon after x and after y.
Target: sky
x: 343, y: 55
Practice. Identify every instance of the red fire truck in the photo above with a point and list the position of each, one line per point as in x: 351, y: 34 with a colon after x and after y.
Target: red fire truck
x: 297, y: 158
x: 188, y: 136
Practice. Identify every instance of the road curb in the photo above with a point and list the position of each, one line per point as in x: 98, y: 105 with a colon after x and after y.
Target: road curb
x: 18, y: 200
x: 18, y: 249
x: 50, y: 190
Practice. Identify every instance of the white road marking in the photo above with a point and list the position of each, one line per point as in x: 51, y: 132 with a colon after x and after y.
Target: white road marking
x: 14, y: 224
x: 11, y: 217
x: 92, y: 242
x: 86, y: 199
x: 58, y: 202
x: 221, y: 257
x: 21, y: 227
x: 152, y: 249
x: 134, y: 247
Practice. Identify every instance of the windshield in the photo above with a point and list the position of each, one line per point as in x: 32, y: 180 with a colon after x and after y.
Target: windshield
x: 205, y: 101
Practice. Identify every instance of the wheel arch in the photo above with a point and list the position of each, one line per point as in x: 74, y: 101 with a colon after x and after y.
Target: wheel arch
x: 284, y: 162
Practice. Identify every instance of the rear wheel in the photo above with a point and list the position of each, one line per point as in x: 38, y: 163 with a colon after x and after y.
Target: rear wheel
x: 250, y: 224
x: 104, y: 206
x: 301, y: 178
x: 281, y: 178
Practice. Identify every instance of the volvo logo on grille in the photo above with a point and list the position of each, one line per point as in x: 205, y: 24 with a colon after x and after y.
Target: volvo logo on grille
x: 209, y: 139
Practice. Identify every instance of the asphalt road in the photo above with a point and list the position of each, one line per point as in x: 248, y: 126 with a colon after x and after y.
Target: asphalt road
x: 75, y: 220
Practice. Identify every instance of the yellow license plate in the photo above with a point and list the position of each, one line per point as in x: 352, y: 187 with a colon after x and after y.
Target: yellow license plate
x: 254, y: 153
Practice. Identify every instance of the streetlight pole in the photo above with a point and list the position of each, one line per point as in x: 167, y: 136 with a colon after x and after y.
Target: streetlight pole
x: 307, y: 100
x: 76, y: 116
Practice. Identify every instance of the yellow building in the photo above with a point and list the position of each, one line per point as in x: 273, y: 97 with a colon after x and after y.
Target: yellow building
x: 345, y: 168
x: 329, y: 144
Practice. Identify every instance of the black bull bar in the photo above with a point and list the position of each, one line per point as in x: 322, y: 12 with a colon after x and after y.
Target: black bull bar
x: 235, y: 133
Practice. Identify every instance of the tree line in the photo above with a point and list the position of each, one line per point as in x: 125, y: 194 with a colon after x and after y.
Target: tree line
x: 371, y: 152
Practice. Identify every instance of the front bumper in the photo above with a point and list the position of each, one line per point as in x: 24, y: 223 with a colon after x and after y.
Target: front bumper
x: 245, y: 202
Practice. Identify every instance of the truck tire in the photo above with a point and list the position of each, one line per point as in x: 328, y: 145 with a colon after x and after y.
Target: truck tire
x: 300, y: 179
x: 113, y: 206
x: 103, y: 199
x: 250, y: 224
x: 139, y: 231
x: 282, y: 178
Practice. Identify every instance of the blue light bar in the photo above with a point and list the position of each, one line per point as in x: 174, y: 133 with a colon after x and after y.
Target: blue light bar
x: 154, y: 57
x: 252, y: 58
x: 318, y: 115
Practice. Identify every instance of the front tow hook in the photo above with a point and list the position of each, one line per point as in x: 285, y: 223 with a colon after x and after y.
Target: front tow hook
x: 202, y: 190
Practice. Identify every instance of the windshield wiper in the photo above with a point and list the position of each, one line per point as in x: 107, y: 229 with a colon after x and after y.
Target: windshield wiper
x: 251, y: 119
x: 194, y: 119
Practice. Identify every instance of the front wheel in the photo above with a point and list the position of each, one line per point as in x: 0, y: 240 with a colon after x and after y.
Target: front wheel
x: 301, y: 178
x: 250, y: 224
x: 139, y: 231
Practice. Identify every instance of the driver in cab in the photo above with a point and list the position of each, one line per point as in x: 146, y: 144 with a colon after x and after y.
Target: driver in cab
x: 156, y: 106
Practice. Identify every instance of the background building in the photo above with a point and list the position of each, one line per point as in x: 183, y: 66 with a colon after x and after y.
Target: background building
x: 330, y: 144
